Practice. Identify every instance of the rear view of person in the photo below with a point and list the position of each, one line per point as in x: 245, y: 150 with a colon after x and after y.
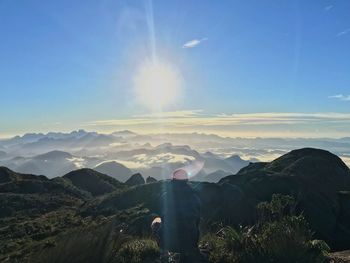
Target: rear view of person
x: 178, y: 230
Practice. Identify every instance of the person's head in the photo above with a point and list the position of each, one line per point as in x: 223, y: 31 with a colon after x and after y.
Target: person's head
x: 180, y: 175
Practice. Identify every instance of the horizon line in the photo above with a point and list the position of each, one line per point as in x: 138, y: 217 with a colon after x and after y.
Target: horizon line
x: 11, y: 136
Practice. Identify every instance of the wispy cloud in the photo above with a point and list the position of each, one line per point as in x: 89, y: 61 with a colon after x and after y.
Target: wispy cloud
x: 328, y: 7
x: 242, y: 124
x: 344, y: 32
x: 171, y: 114
x: 194, y: 42
x: 197, y: 117
x: 340, y: 97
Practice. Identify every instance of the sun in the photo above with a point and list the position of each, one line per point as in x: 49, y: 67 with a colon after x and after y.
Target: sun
x: 157, y: 85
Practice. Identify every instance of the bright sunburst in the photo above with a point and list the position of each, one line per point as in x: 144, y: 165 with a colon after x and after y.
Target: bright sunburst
x: 157, y: 85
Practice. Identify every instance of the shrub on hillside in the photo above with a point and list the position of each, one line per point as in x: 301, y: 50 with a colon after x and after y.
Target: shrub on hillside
x: 137, y: 251
x: 230, y: 245
x: 279, y: 236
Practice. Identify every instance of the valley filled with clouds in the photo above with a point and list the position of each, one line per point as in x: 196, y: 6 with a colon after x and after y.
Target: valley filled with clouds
x: 123, y: 153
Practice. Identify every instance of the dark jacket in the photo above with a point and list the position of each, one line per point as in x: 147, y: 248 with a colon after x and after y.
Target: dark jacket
x: 180, y: 217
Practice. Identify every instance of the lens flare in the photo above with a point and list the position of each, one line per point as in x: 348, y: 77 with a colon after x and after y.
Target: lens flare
x: 191, y: 170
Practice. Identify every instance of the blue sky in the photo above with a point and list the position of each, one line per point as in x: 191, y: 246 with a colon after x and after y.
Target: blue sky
x: 71, y: 64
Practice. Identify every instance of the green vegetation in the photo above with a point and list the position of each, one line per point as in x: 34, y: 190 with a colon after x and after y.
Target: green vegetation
x: 284, y: 208
x: 137, y: 251
x: 278, y: 236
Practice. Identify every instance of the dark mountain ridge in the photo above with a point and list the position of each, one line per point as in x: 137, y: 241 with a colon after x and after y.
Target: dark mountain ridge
x: 315, y: 177
x: 92, y: 181
x: 7, y: 175
x: 85, y: 202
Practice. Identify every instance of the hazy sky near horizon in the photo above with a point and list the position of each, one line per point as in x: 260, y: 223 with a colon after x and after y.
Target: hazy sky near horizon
x: 240, y: 68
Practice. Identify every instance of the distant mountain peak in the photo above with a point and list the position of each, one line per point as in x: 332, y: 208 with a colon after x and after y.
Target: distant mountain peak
x: 135, y: 179
x: 28, y: 137
x: 164, y: 145
x: 234, y: 157
x: 124, y: 133
x: 54, y: 155
x: 213, y: 177
x: 114, y: 169
x: 113, y: 163
x: 80, y: 131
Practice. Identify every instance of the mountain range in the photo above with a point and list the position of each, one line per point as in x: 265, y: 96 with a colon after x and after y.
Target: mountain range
x: 123, y: 153
x: 40, y: 217
x: 156, y: 161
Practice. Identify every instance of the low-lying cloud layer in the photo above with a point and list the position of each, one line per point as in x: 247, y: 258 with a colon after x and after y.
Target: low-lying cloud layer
x: 156, y: 155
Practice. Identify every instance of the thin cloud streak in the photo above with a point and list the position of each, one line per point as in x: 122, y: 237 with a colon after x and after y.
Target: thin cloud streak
x: 344, y: 32
x: 328, y: 7
x: 198, y: 118
x: 340, y: 97
x: 174, y: 114
x: 269, y: 124
x: 193, y: 43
